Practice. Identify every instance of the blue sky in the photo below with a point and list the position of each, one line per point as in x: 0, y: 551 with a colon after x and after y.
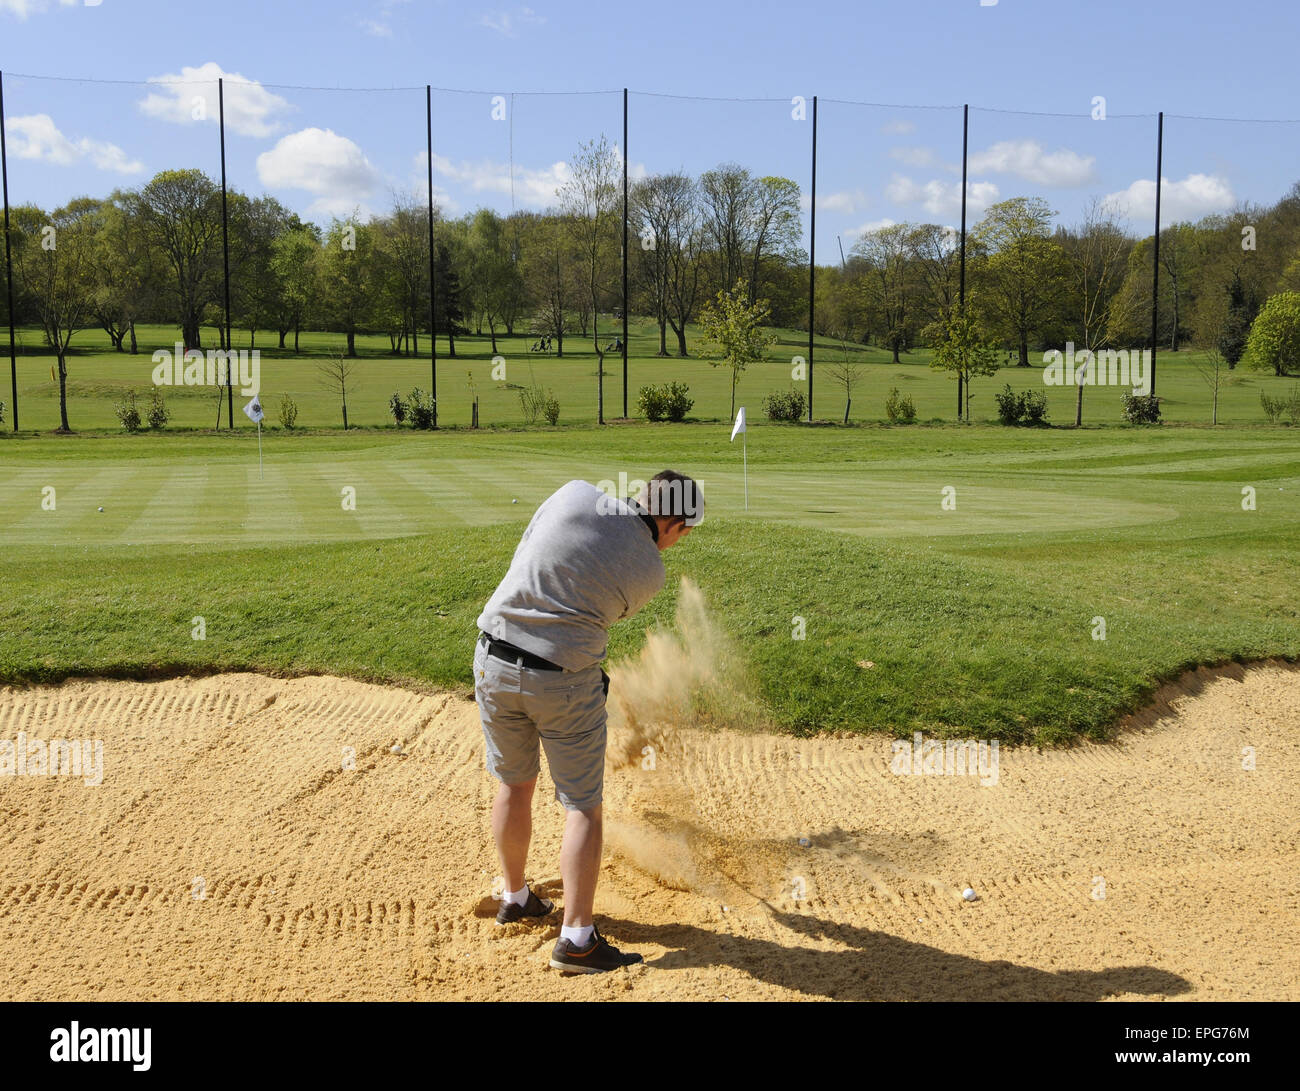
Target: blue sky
x: 326, y: 151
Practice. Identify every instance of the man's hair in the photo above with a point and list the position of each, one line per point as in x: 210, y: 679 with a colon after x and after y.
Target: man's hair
x: 674, y: 496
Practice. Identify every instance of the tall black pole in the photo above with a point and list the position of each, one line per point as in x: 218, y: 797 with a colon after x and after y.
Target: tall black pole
x: 625, y: 253
x: 961, y: 291
x: 1155, y: 264
x: 812, y: 262
x: 433, y: 326
x: 225, y: 255
x: 9, y: 264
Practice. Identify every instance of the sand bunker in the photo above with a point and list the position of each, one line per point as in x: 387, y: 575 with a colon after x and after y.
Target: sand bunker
x: 255, y: 838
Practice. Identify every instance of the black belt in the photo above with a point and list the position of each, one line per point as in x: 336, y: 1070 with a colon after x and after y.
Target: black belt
x: 518, y: 656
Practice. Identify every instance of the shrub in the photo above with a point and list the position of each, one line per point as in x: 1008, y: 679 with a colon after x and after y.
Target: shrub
x: 650, y: 403
x: 398, y: 409
x: 158, y: 415
x: 1010, y: 406
x: 532, y: 400
x: 420, y: 409
x: 665, y: 401
x: 1028, y: 407
x: 551, y: 410
x: 1034, y: 403
x: 676, y: 401
x: 1276, y: 407
x: 1141, y: 409
x: 288, y: 412
x: 899, y: 409
x: 127, y: 413
x: 787, y: 405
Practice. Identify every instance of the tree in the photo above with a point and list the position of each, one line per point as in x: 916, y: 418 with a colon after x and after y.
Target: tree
x: 775, y: 224
x: 449, y: 314
x: 888, y: 284
x: 1231, y: 340
x: 846, y: 373
x: 180, y: 211
x: 1018, y: 269
x: 56, y: 263
x: 1274, y: 341
x: 728, y: 196
x: 933, y: 252
x: 346, y: 277
x: 547, y: 272
x: 254, y: 225
x: 662, y: 214
x: 589, y: 199
x: 128, y: 273
x: 1097, y: 258
x: 404, y: 242
x: 494, y: 277
x: 965, y: 351
x: 336, y: 373
x: 293, y: 264
x: 1217, y: 374
x: 733, y: 329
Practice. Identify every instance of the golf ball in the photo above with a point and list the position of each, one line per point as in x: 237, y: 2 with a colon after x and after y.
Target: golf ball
x: 969, y: 894
x: 804, y: 842
x: 101, y: 509
x: 514, y: 501
x: 396, y: 748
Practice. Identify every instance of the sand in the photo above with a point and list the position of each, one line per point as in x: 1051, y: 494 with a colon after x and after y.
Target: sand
x: 228, y: 854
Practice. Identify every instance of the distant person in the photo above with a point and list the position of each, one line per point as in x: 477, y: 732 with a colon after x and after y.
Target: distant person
x: 585, y: 561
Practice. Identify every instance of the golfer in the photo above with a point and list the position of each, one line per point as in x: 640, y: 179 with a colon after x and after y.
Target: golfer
x: 587, y: 560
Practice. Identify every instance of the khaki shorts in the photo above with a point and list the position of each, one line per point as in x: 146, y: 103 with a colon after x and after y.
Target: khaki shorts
x: 562, y: 711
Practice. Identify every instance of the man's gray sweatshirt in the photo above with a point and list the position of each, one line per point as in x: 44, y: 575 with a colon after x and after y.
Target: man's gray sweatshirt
x: 586, y: 560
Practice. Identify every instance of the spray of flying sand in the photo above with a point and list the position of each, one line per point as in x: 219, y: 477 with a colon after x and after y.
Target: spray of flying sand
x: 687, y: 677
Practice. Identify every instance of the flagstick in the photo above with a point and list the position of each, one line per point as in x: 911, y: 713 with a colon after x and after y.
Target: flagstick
x: 744, y: 454
x: 259, y: 450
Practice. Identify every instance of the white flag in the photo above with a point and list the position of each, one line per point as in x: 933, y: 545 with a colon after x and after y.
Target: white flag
x: 740, y: 423
x: 254, y: 410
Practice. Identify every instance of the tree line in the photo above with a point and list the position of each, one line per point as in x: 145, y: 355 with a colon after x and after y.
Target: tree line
x: 154, y: 255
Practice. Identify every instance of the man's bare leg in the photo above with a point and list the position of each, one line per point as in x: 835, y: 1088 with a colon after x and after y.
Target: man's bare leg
x: 580, y: 864
x: 512, y: 828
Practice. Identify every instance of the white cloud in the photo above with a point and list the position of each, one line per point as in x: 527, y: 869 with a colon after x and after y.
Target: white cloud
x: 534, y: 186
x: 847, y: 201
x: 898, y: 128
x: 1195, y: 196
x: 250, y: 108
x: 917, y: 157
x: 868, y: 227
x: 940, y: 198
x: 381, y: 26
x: 24, y: 8
x: 37, y: 137
x: 1028, y: 159
x: 510, y: 23
x: 320, y: 161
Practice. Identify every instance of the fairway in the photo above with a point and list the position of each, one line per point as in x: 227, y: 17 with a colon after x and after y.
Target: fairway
x: 98, y: 378
x: 371, y: 553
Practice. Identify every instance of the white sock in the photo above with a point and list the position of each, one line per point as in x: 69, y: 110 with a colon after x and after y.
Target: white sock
x: 517, y: 897
x: 578, y: 935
